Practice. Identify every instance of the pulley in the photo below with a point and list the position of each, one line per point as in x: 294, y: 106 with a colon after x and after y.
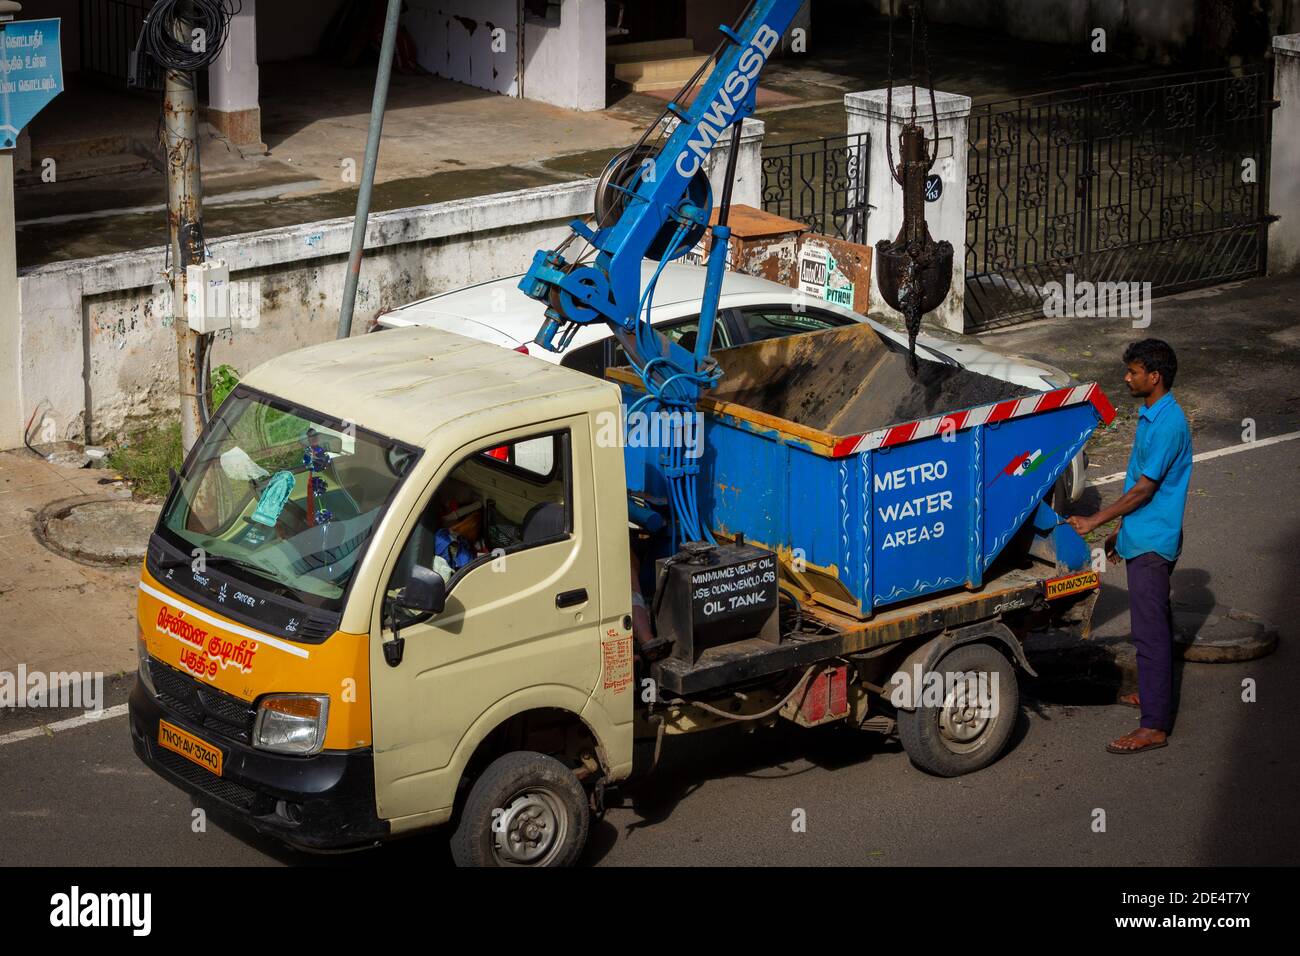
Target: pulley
x: 615, y: 188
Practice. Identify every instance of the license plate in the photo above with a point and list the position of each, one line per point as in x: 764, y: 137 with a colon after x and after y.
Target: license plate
x: 1071, y: 584
x: 190, y: 747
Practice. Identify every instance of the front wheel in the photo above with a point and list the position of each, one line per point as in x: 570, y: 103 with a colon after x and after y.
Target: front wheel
x: 970, y: 728
x: 527, y: 809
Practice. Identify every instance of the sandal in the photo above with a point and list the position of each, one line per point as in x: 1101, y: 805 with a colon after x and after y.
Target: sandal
x: 1129, y: 700
x: 1137, y: 741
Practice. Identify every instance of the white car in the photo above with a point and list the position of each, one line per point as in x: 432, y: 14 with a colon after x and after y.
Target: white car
x: 750, y: 309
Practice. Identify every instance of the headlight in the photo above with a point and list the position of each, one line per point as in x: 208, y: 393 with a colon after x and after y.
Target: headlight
x: 142, y: 652
x: 292, y: 723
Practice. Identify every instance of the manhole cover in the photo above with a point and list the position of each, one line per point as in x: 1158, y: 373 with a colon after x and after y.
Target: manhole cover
x: 97, y: 530
x: 1206, y: 638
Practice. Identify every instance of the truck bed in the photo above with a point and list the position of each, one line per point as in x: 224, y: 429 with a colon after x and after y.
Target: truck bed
x: 733, y: 664
x: 804, y: 453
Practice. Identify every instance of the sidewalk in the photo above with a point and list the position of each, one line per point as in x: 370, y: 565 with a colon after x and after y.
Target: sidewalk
x: 444, y: 140
x: 57, y: 614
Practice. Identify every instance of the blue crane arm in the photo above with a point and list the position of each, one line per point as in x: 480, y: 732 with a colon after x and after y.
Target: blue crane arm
x: 661, y: 207
x: 662, y: 202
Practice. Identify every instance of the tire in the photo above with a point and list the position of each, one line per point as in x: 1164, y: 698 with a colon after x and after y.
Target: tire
x: 1059, y: 498
x: 539, y: 809
x: 939, y: 741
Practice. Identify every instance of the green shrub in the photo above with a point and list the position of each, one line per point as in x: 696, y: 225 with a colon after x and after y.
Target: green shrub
x: 143, y: 459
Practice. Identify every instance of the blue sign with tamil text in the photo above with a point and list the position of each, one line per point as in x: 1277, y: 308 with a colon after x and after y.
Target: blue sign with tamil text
x: 31, y: 73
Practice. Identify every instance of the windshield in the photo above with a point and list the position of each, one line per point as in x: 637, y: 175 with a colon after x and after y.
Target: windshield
x: 283, y: 497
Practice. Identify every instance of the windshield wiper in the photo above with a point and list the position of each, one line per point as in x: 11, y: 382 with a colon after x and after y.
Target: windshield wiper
x: 222, y: 559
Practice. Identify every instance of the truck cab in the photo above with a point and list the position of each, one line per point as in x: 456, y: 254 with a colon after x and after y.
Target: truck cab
x: 389, y: 570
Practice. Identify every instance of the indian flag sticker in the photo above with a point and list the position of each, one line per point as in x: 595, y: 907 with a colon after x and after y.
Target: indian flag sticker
x: 1029, y: 462
x: 1023, y: 464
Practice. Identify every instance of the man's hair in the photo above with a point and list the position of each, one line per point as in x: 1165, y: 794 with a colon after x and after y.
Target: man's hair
x: 1154, y: 355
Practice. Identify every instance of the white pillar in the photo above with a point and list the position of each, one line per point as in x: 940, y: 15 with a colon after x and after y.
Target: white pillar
x: 1284, y: 162
x: 947, y: 216
x: 564, y: 63
x: 11, y: 413
x: 233, y: 108
x: 748, y: 187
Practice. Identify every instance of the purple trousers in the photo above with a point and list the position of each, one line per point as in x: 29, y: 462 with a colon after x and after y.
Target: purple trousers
x: 1152, y: 624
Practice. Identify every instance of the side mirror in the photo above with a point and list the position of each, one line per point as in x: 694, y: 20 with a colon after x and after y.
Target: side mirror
x: 425, y: 591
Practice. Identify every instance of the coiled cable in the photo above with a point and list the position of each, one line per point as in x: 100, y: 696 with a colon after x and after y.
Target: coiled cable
x: 185, y: 49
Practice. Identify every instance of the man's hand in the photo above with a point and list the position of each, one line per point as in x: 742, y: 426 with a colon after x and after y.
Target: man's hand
x: 1112, y: 540
x: 1083, y: 524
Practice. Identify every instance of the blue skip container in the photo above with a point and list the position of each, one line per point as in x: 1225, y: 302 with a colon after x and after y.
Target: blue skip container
x: 813, y: 447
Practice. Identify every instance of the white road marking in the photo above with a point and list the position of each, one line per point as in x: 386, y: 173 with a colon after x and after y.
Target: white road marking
x: 69, y: 724
x: 1207, y: 455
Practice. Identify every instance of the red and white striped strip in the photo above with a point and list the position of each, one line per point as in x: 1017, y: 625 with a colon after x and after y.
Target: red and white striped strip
x: 984, y: 415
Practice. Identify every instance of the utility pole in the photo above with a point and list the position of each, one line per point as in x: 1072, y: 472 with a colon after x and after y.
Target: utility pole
x: 184, y: 228
x: 368, y: 172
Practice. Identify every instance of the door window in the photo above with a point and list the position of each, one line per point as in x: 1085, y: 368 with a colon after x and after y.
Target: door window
x: 685, y: 332
x: 587, y: 358
x: 497, y: 501
x: 778, y: 322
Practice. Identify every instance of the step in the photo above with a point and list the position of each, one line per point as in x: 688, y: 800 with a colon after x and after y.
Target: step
x: 665, y: 70
x: 622, y: 52
x: 66, y: 150
x: 85, y: 167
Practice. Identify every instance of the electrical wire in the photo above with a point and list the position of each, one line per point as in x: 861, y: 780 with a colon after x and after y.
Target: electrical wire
x: 170, y: 32
x: 204, y: 362
x: 709, y: 709
x: 27, y: 429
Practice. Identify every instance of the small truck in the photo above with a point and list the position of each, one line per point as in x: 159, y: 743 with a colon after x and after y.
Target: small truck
x: 413, y: 579
x: 390, y: 588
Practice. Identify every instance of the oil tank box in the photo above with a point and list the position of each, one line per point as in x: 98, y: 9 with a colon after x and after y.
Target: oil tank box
x: 714, y: 595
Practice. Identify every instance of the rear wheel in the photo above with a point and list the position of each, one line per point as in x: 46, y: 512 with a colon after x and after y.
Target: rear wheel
x: 970, y: 728
x: 527, y: 809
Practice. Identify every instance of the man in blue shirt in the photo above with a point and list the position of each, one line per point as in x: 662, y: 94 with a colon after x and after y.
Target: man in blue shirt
x: 1150, y: 534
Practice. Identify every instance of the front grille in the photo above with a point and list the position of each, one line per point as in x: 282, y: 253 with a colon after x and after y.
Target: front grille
x: 202, y: 705
x: 225, y: 790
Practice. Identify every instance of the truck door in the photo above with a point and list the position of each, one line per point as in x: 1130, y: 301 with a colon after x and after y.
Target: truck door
x: 510, y: 525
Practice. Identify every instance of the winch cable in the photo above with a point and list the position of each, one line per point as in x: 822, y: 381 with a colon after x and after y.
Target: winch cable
x: 917, y: 255
x: 918, y: 13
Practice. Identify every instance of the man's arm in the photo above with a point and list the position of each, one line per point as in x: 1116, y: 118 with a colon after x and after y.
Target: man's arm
x: 1129, y: 502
